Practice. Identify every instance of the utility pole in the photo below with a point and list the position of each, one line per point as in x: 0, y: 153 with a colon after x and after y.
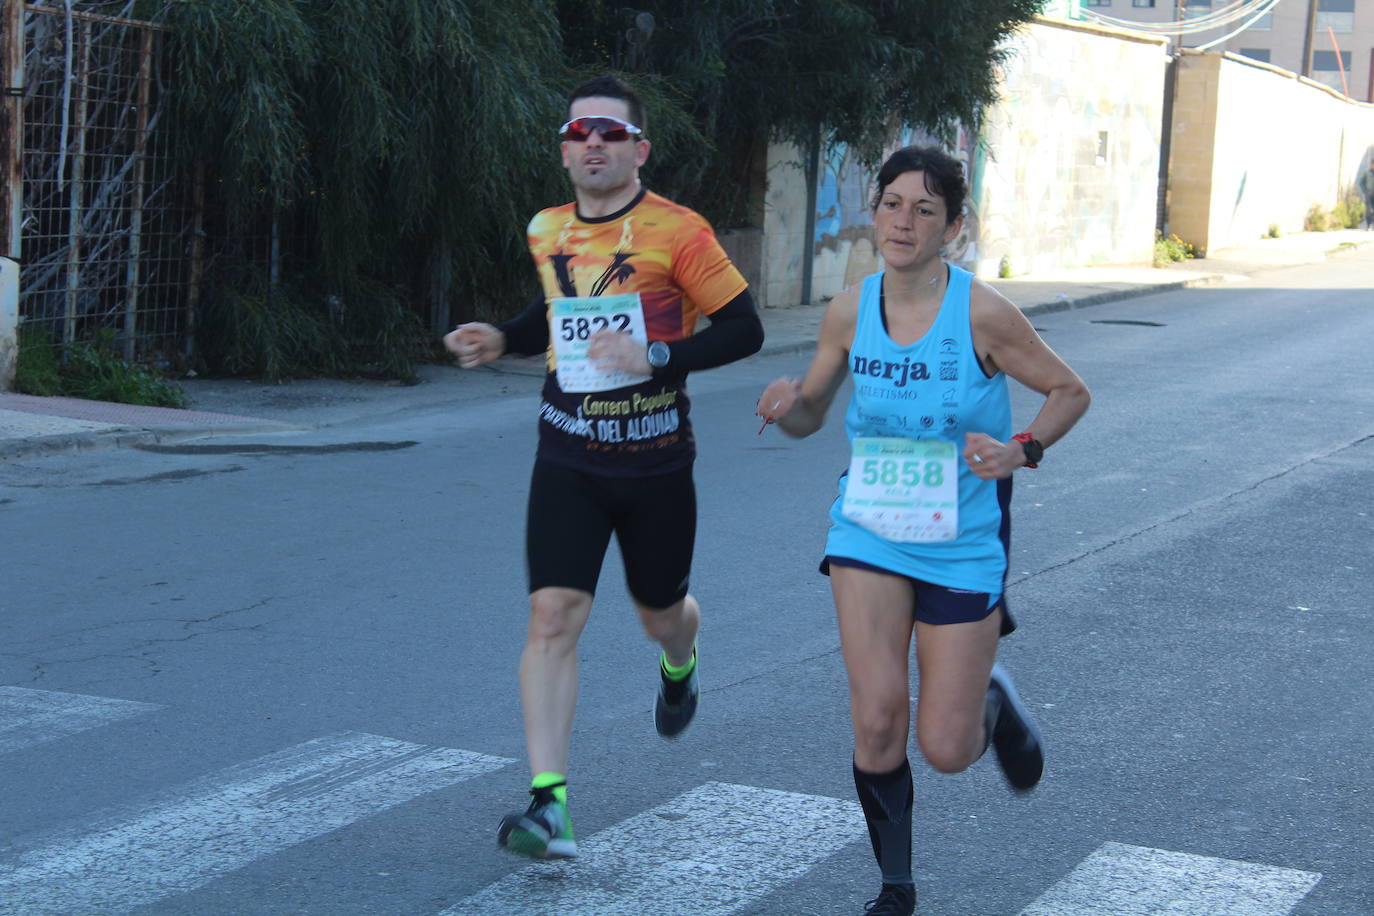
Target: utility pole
x: 11, y: 182
x: 1307, y: 38
x: 11, y: 126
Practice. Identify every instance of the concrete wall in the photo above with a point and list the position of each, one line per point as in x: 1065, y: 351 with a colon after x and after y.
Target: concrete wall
x: 1066, y: 173
x: 1072, y: 168
x: 842, y: 244
x: 745, y: 250
x: 1254, y: 146
x: 784, y: 227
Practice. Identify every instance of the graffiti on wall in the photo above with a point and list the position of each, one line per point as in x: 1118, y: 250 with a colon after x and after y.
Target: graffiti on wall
x: 843, y: 239
x: 1065, y: 172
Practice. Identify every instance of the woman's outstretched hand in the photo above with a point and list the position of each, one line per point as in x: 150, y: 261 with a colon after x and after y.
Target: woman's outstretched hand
x: 777, y: 399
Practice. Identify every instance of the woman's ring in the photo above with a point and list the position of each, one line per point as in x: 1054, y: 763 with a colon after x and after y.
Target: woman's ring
x: 977, y: 458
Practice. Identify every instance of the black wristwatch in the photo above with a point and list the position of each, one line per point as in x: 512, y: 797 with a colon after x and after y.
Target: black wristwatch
x: 658, y: 354
x: 1032, y: 447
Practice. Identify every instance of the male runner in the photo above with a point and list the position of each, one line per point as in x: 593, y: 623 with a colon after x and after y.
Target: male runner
x: 625, y: 274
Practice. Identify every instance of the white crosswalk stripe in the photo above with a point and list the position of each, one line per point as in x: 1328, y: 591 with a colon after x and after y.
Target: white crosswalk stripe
x: 1121, y: 880
x: 29, y: 717
x: 712, y: 851
x: 224, y: 821
x: 708, y: 852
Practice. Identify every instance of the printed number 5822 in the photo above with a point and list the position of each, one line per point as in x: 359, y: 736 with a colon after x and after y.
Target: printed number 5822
x: 581, y: 328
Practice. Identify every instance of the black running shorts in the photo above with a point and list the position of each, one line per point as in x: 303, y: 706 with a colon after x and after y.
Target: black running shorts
x: 571, y: 517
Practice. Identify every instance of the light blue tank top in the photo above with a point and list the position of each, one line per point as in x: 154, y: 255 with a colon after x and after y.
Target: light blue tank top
x: 932, y: 389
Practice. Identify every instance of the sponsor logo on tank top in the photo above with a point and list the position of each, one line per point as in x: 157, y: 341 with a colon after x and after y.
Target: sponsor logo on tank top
x: 898, y: 373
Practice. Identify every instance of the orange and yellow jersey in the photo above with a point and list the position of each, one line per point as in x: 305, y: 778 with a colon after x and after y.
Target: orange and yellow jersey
x: 669, y: 256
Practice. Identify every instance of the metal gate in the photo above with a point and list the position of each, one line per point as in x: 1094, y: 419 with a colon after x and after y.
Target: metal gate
x: 104, y: 238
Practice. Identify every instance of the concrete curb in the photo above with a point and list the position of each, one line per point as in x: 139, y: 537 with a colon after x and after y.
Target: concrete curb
x: 122, y: 437
x: 1116, y: 295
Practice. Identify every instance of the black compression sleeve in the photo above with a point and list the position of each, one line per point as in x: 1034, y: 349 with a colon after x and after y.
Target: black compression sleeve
x: 528, y: 332
x: 735, y: 332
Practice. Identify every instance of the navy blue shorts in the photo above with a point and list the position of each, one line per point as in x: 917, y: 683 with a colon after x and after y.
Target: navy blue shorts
x: 938, y: 604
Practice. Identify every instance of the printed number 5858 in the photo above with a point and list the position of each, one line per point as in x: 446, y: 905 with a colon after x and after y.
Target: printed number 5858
x: 889, y: 472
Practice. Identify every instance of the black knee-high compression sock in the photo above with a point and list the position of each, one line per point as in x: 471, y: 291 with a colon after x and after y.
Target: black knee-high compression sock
x: 886, y: 800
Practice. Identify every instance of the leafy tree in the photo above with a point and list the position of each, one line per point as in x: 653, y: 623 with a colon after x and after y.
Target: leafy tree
x: 393, y: 149
x: 747, y: 72
x: 380, y: 158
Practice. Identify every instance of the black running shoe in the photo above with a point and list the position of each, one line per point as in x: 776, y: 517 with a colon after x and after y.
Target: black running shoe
x: 895, y: 900
x: 1015, y: 736
x: 676, y: 702
x: 541, y: 831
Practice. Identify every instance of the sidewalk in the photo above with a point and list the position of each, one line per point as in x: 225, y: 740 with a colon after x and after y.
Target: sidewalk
x: 33, y: 427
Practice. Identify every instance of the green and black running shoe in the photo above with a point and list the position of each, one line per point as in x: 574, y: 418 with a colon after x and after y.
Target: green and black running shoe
x: 542, y: 831
x: 676, y: 702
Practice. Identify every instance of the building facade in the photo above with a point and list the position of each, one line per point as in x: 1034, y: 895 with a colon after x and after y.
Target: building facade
x: 1273, y: 31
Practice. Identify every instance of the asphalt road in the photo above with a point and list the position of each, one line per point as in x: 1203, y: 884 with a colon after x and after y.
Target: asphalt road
x: 276, y: 674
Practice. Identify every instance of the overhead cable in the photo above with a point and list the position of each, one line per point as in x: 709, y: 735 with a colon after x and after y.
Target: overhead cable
x: 1241, y: 9
x: 1217, y: 41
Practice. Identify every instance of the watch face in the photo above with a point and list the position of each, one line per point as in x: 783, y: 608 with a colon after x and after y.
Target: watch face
x: 658, y: 354
x: 1034, y: 451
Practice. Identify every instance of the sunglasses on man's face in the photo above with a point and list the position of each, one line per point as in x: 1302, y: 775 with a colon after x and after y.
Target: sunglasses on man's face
x: 612, y: 130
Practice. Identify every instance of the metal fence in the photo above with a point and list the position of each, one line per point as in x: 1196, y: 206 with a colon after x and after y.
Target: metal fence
x: 106, y: 231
